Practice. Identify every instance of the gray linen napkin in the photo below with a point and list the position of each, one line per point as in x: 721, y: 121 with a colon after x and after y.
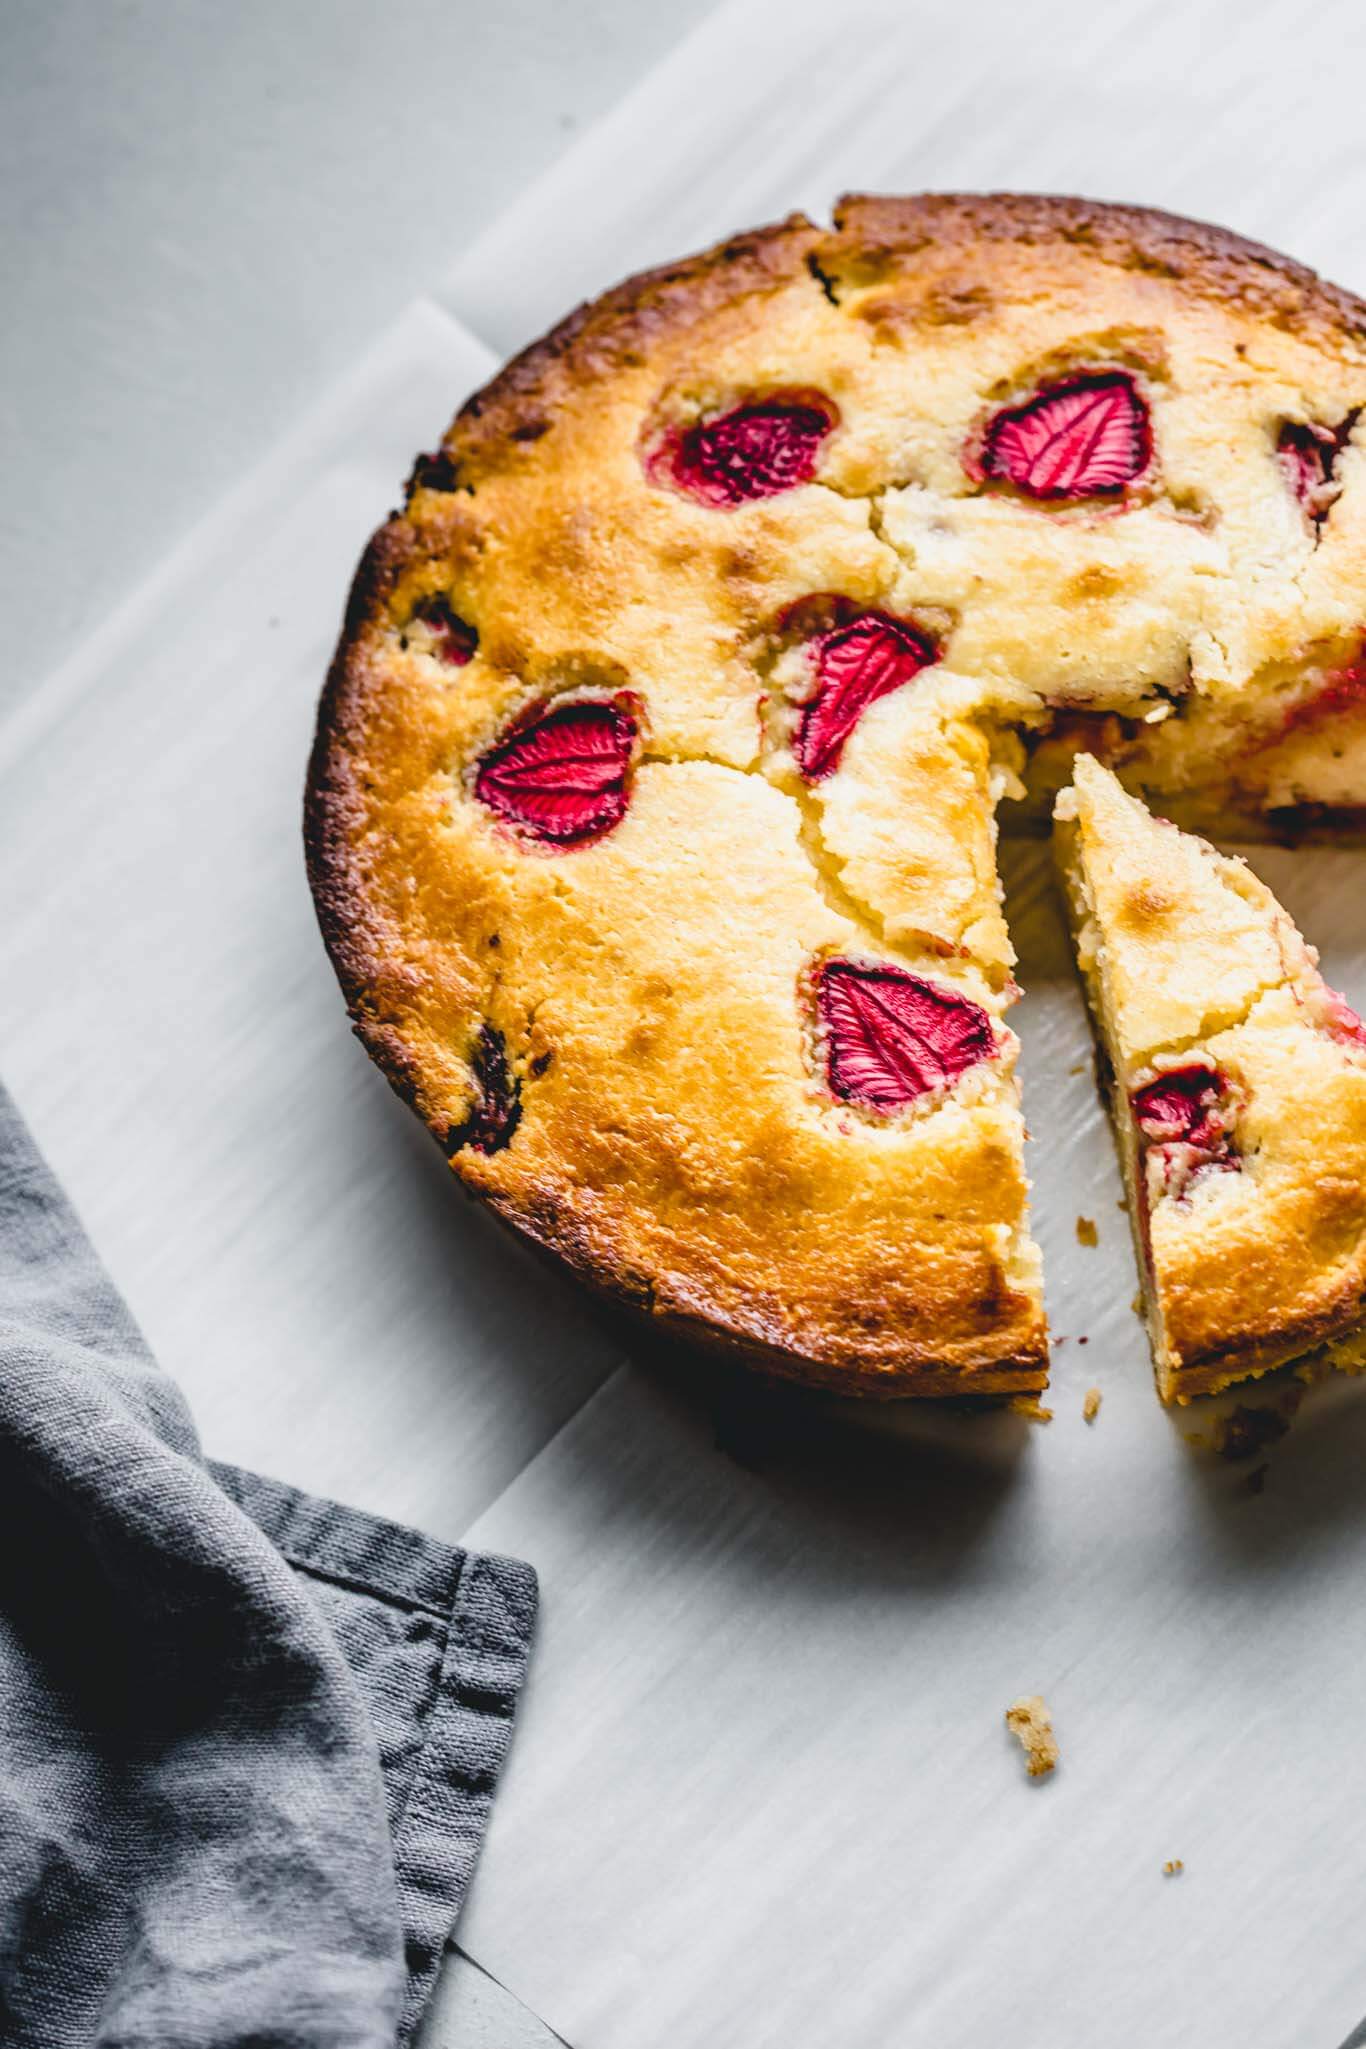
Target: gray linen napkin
x: 248, y: 1739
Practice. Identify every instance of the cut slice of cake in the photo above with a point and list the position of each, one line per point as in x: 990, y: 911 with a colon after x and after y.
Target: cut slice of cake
x: 1238, y: 1083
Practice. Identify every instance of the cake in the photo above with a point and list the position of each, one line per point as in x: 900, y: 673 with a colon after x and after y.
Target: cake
x: 651, y: 820
x: 1238, y: 1092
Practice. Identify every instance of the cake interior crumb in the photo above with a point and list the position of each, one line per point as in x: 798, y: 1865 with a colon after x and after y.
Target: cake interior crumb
x: 1030, y: 1405
x: 1087, y: 1234
x: 1028, y: 1721
x: 1090, y: 1407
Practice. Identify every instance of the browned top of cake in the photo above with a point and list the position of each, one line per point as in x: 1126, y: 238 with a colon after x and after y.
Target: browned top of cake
x: 651, y: 815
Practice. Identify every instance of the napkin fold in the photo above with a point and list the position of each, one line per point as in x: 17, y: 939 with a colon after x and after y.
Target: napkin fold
x: 248, y: 1738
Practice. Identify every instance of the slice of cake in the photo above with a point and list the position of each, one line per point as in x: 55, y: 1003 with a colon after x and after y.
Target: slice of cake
x: 1238, y: 1085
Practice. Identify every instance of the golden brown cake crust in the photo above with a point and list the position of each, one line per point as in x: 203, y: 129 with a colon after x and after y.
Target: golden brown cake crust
x: 1196, y: 256
x: 658, y: 1154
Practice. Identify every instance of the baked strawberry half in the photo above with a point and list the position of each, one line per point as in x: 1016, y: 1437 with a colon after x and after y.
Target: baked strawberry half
x: 890, y: 1036
x: 1338, y: 692
x: 561, y: 775
x: 1184, y: 1105
x: 755, y: 450
x: 497, y: 1108
x: 854, y: 666
x: 454, y: 640
x: 1185, y: 1118
x: 1085, y: 436
x: 1342, y: 1021
x: 1308, y: 451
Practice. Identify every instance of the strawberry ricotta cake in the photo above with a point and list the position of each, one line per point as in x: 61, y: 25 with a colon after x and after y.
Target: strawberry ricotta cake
x: 652, y: 816
x: 1238, y: 1090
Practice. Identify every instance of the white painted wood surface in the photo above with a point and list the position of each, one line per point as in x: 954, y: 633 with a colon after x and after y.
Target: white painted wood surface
x: 761, y: 1793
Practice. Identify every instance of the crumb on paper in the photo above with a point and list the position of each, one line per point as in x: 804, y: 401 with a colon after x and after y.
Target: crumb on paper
x: 1137, y: 1306
x: 1090, y: 1407
x: 1030, y: 1405
x: 1087, y: 1234
x: 1246, y: 1430
x: 1080, y: 1068
x: 1173, y: 1868
x: 1028, y: 1721
x: 1123, y: 1203
x: 1083, y: 1341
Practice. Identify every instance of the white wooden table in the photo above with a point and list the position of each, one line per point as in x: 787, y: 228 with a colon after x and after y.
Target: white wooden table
x: 717, y: 1826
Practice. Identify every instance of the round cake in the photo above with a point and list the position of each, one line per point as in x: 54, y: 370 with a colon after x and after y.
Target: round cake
x: 651, y: 821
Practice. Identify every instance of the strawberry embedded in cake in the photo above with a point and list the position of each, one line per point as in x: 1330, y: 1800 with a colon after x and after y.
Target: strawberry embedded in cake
x: 853, y: 665
x: 561, y: 775
x: 1184, y: 1117
x: 1340, y: 1020
x: 890, y: 1036
x: 1185, y: 1106
x: 1335, y: 693
x: 1308, y: 451
x: 754, y: 450
x: 453, y: 640
x: 1084, y: 436
x: 496, y: 1104
x: 1239, y: 1095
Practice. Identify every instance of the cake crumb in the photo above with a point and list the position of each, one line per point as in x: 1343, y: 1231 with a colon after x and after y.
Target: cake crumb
x: 1173, y: 1868
x: 1137, y: 1306
x: 1090, y: 1407
x: 1028, y: 1721
x: 1087, y: 1234
x: 1030, y: 1405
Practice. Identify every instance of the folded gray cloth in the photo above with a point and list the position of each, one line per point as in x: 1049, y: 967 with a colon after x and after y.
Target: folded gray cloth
x: 248, y: 1740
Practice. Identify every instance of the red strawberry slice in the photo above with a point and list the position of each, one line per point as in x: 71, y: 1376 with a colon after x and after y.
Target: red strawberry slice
x: 560, y: 774
x: 1086, y: 437
x: 854, y: 665
x: 1308, y: 452
x: 890, y: 1036
x: 1343, y: 1022
x: 1184, y: 1107
x: 755, y: 450
x: 1184, y: 1116
x: 497, y: 1107
x: 1340, y: 691
x: 455, y: 640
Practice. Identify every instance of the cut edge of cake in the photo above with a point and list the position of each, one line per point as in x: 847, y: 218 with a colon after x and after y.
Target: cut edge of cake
x: 1229, y: 1218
